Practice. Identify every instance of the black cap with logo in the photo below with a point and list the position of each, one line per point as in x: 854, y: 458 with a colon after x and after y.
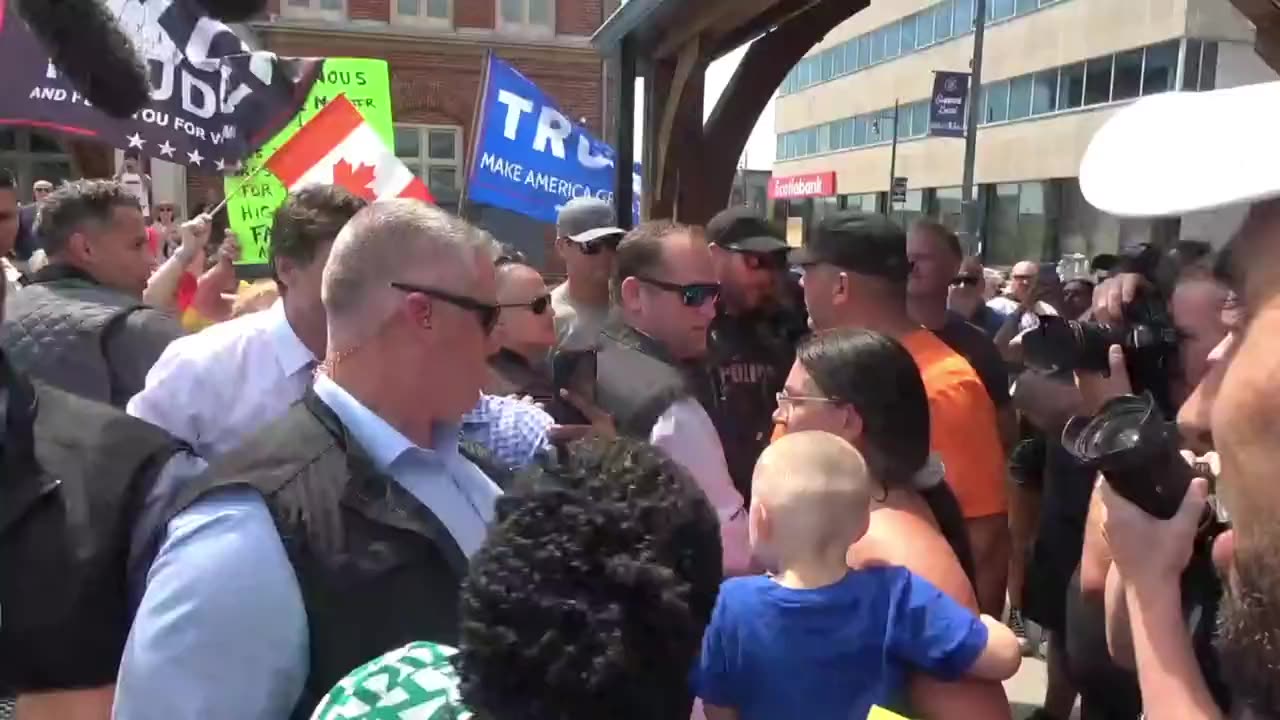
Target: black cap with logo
x: 741, y: 230
x: 864, y: 243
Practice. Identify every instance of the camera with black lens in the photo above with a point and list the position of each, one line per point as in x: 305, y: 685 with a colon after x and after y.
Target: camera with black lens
x: 1136, y: 449
x: 1147, y: 336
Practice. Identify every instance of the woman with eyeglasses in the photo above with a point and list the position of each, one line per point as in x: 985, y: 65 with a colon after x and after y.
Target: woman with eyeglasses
x: 866, y: 388
x: 524, y: 333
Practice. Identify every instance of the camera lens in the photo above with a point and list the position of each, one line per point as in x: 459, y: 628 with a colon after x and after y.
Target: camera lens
x: 1136, y: 450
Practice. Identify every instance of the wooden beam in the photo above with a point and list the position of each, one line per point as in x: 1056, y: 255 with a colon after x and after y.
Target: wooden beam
x: 677, y: 96
x: 706, y: 17
x: 757, y: 78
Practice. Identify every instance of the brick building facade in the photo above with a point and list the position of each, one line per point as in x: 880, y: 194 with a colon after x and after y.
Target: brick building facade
x: 436, y: 49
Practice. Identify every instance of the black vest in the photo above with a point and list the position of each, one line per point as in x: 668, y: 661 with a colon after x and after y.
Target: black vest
x: 377, y: 569
x: 636, y: 380
x: 73, y: 478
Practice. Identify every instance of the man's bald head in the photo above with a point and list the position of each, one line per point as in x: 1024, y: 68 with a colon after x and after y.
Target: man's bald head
x: 516, y: 281
x: 816, y: 491
x: 390, y: 241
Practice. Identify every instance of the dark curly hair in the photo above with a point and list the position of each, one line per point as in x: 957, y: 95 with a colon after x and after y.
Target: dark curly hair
x: 590, y: 597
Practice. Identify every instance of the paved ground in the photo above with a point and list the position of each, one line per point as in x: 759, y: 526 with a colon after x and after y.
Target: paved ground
x: 1026, y: 689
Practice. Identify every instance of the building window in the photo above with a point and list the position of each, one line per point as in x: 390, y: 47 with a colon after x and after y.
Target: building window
x: 995, y: 98
x: 1160, y: 68
x: 964, y: 16
x: 531, y: 16
x: 942, y: 21
x: 920, y: 119
x: 1097, y: 81
x: 866, y: 202
x: 1018, y: 224
x: 433, y: 153
x: 948, y: 207
x: 315, y: 9
x: 1128, y: 76
x: 1000, y: 9
x: 1044, y: 94
x: 908, y: 35
x: 1020, y: 92
x: 1071, y: 89
x: 33, y: 156
x: 437, y: 13
x: 1200, y: 66
x: 924, y: 29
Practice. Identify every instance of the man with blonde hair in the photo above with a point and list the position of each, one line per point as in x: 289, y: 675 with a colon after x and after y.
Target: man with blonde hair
x: 344, y: 528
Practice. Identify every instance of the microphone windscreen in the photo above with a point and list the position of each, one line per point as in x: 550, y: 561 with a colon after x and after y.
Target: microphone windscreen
x: 87, y: 45
x: 233, y: 10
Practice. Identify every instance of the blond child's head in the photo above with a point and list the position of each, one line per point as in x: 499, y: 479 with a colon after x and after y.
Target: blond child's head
x: 810, y: 500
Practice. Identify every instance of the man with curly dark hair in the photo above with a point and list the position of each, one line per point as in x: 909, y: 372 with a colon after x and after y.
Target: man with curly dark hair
x: 588, y: 600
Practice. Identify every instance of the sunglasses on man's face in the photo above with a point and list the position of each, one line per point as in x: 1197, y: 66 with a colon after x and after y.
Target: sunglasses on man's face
x: 965, y: 281
x: 537, y: 306
x: 593, y: 247
x: 691, y: 295
x: 486, y: 313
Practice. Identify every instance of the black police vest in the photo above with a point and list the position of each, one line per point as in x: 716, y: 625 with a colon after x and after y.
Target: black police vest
x: 377, y: 569
x: 636, y: 381
x: 74, y: 475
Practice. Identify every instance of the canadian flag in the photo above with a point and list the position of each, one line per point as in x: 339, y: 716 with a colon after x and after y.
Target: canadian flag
x: 338, y: 147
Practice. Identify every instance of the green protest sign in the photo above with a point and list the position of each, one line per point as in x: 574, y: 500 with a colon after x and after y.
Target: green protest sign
x: 251, y: 210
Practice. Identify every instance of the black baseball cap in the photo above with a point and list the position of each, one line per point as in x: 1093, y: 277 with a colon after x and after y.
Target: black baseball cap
x: 740, y: 229
x: 864, y: 243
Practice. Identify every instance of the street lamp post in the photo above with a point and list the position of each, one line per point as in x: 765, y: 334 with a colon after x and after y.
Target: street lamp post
x: 893, y: 152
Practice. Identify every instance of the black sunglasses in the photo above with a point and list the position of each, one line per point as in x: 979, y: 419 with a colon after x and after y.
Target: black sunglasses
x: 593, y: 247
x: 692, y: 295
x: 486, y: 313
x: 965, y: 281
x: 537, y: 306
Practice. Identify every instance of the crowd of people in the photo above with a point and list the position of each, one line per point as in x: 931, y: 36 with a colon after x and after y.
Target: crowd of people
x: 708, y: 475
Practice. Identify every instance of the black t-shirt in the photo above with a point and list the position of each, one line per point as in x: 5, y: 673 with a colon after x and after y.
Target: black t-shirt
x: 970, y: 341
x: 748, y: 359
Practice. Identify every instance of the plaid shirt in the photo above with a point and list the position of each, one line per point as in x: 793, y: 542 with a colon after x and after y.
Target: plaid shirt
x: 514, y: 431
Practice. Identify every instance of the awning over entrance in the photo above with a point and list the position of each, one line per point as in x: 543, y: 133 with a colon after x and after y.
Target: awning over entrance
x: 688, y: 164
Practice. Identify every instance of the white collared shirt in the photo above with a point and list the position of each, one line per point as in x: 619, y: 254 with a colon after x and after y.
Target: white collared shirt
x: 213, y: 388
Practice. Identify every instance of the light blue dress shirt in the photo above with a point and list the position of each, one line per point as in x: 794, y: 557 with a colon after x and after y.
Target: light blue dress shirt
x: 221, y: 631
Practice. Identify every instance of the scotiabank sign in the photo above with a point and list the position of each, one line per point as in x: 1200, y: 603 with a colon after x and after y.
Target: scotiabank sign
x: 802, y: 186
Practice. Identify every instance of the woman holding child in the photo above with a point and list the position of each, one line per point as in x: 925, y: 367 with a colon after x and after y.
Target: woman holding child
x: 865, y: 388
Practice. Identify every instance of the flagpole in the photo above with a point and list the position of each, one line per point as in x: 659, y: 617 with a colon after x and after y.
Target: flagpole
x: 476, y: 121
x: 234, y: 193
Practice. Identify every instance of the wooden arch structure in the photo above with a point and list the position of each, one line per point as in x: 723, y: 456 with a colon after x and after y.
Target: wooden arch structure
x: 689, y: 164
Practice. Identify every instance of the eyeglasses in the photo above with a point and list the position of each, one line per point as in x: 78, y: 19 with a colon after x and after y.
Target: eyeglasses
x: 691, y: 295
x: 785, y: 399
x: 965, y: 281
x: 486, y: 313
x: 537, y: 306
x: 1024, y: 278
x: 593, y: 247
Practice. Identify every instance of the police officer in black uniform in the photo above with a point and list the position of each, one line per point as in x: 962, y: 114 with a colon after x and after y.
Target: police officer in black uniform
x: 753, y: 337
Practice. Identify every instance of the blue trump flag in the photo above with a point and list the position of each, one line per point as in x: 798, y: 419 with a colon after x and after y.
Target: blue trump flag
x: 530, y: 158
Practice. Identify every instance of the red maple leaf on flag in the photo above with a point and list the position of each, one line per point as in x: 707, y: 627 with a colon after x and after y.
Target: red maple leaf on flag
x: 356, y: 178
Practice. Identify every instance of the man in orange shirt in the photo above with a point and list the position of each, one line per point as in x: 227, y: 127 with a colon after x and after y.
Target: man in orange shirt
x: 855, y: 275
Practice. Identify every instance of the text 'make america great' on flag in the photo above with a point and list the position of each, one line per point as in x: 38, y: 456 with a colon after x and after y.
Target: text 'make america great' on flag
x: 337, y: 146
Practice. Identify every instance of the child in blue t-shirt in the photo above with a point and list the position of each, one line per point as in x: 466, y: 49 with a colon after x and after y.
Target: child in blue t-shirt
x: 817, y: 640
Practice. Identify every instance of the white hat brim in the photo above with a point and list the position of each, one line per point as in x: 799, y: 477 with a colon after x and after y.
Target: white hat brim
x: 1184, y: 152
